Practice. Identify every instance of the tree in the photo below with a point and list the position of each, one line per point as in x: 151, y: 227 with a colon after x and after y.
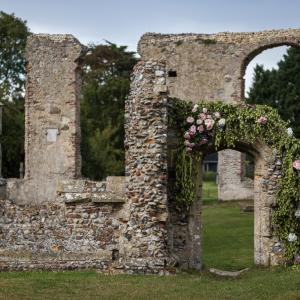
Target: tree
x: 13, y: 36
x: 106, y: 82
x: 280, y: 88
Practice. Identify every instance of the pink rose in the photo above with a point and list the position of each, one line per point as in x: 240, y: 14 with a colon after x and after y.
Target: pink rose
x: 192, y: 130
x: 200, y: 128
x: 187, y: 143
x: 187, y: 135
x: 217, y: 115
x: 296, y: 164
x: 209, y: 123
x: 190, y: 119
x: 202, y: 116
x: 203, y: 141
x: 262, y: 120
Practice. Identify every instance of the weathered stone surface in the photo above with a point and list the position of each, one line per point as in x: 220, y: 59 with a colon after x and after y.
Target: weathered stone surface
x: 52, y: 102
x: 53, y: 220
x: 232, y: 183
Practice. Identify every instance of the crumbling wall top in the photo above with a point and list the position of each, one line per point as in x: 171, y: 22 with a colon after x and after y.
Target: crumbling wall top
x: 35, y: 41
x: 281, y: 36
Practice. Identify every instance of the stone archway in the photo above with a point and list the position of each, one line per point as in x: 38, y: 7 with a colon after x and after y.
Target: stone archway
x: 157, y: 232
x: 193, y: 67
x: 189, y: 232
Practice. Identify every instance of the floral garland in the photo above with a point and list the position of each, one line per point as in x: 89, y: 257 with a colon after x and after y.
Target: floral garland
x: 222, y: 126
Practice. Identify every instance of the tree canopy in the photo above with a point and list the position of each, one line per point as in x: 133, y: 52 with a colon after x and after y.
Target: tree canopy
x: 13, y: 36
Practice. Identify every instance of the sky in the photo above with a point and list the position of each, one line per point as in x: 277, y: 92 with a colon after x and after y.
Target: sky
x: 123, y: 22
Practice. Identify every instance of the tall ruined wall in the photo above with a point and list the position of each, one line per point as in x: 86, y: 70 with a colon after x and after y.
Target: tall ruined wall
x: 52, y: 111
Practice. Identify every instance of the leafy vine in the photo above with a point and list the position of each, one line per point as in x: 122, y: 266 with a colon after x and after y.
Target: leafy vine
x: 240, y: 123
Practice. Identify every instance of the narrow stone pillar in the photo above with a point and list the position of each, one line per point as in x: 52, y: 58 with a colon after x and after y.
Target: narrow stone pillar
x: 145, y: 235
x: 52, y: 134
x: 232, y: 184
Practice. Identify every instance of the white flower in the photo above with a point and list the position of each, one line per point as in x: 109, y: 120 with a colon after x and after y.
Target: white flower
x: 199, y: 122
x: 222, y: 122
x: 209, y: 123
x: 290, y: 131
x: 190, y: 119
x: 292, y: 237
x: 204, y: 110
x: 297, y: 213
x: 195, y: 108
x: 217, y: 115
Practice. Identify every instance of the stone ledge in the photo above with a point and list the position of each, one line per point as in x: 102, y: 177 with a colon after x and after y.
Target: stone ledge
x: 81, y: 190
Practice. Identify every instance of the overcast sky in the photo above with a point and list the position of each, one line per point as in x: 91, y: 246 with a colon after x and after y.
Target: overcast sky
x: 123, y: 22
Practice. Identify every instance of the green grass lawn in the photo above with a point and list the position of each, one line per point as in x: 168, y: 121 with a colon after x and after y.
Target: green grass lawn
x: 228, y: 244
x: 227, y: 232
x: 210, y: 193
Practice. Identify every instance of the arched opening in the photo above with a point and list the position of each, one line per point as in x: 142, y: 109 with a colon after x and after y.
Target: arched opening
x: 262, y: 215
x: 227, y: 225
x: 268, y: 76
x: 275, y: 82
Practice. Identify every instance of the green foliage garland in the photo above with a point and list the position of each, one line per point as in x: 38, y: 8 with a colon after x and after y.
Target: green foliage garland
x: 242, y: 126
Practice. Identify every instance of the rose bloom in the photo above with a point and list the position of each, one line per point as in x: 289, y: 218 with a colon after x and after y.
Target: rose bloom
x: 199, y: 122
x: 192, y: 130
x: 217, y: 115
x: 209, y: 123
x: 187, y: 143
x: 296, y: 164
x: 189, y: 149
x: 187, y: 135
x: 203, y: 141
x: 208, y: 117
x: 195, y: 108
x: 202, y: 116
x: 204, y: 110
x: 262, y: 120
x: 190, y: 120
x: 200, y: 128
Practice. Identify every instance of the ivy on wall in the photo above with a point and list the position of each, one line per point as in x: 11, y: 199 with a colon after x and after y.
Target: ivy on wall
x: 221, y: 125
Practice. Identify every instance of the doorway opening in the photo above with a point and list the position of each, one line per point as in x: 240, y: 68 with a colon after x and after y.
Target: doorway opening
x: 228, y: 226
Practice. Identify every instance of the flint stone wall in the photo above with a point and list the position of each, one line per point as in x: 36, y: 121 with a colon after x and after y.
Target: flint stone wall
x: 80, y: 229
x: 212, y: 67
x: 52, y: 219
x: 196, y: 67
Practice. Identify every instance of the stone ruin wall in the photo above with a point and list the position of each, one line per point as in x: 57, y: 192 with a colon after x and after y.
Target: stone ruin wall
x: 52, y: 219
x: 210, y: 68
